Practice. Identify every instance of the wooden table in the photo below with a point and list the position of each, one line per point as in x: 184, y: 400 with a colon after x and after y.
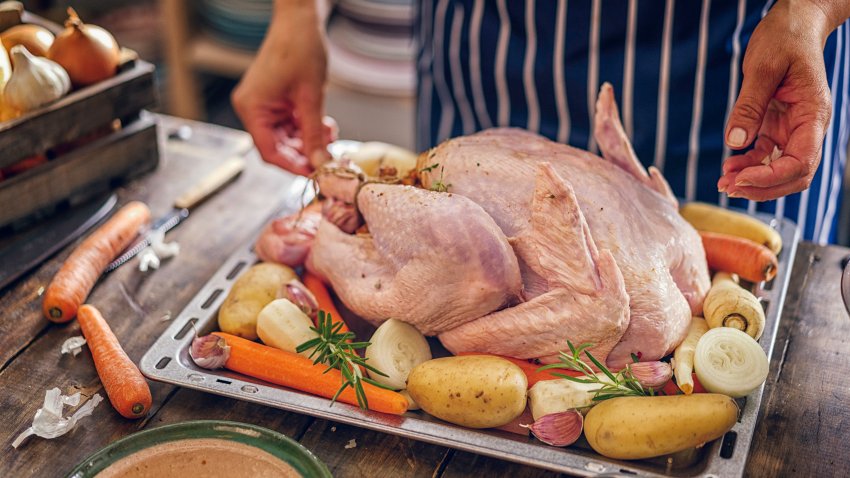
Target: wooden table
x: 803, y: 430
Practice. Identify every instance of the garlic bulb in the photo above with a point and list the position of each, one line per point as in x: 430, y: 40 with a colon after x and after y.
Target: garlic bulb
x: 34, y: 82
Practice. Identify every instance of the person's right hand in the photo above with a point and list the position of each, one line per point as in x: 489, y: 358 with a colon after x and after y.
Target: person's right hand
x: 280, y: 97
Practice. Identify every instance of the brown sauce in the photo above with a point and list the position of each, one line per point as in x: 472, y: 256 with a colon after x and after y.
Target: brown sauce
x: 207, y: 457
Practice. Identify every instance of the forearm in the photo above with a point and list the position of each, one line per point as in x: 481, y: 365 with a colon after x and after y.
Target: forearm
x: 311, y: 11
x: 832, y: 12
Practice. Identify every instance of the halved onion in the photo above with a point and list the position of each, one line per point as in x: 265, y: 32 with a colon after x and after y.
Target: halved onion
x: 730, y: 362
x: 396, y: 347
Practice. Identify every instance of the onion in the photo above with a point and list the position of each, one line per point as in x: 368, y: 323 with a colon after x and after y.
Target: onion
x: 87, y: 52
x: 730, y: 362
x: 36, y: 39
x: 396, y: 347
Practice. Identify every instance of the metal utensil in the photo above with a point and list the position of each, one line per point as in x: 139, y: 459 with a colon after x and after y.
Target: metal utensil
x: 24, y: 251
x: 203, y: 189
x: 845, y: 284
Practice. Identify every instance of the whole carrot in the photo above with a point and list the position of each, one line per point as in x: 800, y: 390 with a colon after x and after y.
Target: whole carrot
x: 124, y: 384
x: 750, y: 260
x: 71, y: 285
x: 315, y: 285
x: 298, y: 372
x: 531, y: 369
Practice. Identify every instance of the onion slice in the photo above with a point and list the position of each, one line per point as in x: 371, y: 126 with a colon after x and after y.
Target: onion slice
x: 396, y: 347
x: 730, y: 362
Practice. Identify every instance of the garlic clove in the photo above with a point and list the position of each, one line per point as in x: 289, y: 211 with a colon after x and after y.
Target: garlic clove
x: 300, y: 295
x: 650, y: 374
x: 558, y: 429
x: 210, y: 351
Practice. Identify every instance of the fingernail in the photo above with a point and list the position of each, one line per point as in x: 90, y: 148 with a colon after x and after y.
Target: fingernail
x: 736, y: 137
x: 721, y: 189
x: 743, y: 183
x: 735, y: 194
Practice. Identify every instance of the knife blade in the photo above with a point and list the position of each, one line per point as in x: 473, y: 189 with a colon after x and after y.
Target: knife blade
x: 23, y: 252
x: 194, y: 196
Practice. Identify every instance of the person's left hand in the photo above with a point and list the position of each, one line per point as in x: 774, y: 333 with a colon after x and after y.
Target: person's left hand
x: 784, y: 105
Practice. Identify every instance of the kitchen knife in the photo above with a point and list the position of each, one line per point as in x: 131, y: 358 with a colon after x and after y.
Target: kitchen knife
x: 24, y: 251
x: 203, y: 189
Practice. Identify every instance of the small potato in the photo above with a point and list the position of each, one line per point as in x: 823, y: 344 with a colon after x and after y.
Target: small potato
x: 252, y: 291
x: 633, y: 428
x: 475, y: 391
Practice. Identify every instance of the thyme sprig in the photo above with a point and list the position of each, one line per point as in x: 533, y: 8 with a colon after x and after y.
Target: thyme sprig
x: 338, y: 351
x: 618, y: 384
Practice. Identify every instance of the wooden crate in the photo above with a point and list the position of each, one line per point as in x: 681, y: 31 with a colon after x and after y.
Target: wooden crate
x: 93, y: 138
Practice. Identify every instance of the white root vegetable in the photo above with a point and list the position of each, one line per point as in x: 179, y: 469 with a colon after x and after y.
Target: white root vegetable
x: 730, y: 362
x: 283, y: 325
x: 683, y: 356
x: 396, y: 347
x: 554, y: 396
x: 411, y: 403
x: 730, y: 305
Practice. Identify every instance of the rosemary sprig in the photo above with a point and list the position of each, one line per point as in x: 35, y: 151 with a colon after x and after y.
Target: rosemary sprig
x: 339, y: 351
x: 617, y: 385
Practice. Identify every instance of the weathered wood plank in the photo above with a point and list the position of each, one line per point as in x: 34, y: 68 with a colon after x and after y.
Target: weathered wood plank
x: 124, y: 154
x: 370, y: 453
x: 79, y: 113
x: 805, y: 423
x: 186, y: 404
x: 469, y: 464
x: 208, y: 236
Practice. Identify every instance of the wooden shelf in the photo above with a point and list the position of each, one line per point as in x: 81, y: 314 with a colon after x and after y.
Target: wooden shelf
x: 207, y: 54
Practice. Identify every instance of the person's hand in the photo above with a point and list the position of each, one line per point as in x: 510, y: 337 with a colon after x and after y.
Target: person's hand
x: 280, y: 97
x: 784, y: 105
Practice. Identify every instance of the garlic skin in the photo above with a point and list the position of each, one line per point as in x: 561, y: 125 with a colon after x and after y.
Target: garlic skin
x: 650, y: 374
x: 210, y: 351
x: 558, y: 429
x: 34, y: 82
x: 300, y: 295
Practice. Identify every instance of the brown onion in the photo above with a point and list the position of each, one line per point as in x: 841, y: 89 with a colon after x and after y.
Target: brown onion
x: 87, y: 52
x: 36, y: 39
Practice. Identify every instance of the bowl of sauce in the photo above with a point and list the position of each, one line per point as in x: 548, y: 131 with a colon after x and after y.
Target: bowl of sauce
x: 208, y: 448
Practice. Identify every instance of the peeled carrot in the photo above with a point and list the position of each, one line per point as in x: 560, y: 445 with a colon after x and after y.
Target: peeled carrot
x: 531, y: 369
x: 298, y: 372
x: 124, y: 384
x: 750, y: 260
x: 315, y: 285
x: 71, y: 285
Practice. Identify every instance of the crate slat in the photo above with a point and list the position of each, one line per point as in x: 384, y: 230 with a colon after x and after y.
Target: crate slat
x: 126, y: 153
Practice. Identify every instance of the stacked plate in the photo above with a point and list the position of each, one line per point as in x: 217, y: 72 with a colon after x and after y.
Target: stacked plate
x: 239, y: 23
x: 371, y: 46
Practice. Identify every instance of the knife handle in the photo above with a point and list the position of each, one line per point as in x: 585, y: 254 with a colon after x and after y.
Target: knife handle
x: 210, y: 183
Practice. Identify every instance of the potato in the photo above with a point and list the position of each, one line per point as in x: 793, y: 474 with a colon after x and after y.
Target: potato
x: 633, y: 428
x: 252, y: 291
x: 282, y: 325
x: 475, y: 391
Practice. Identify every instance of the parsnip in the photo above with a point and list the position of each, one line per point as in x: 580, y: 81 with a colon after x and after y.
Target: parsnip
x: 683, y: 356
x: 730, y: 305
x: 553, y: 396
x: 283, y: 325
x: 710, y: 218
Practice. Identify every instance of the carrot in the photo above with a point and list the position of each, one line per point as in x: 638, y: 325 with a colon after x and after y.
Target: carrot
x: 670, y: 388
x: 315, y: 285
x: 124, y: 384
x: 530, y: 369
x: 750, y: 260
x: 72, y: 284
x: 298, y: 372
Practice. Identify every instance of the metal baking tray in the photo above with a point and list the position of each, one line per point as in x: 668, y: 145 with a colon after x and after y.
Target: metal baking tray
x: 168, y: 361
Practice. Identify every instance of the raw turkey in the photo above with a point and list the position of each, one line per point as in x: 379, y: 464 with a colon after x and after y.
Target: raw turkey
x: 524, y: 244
